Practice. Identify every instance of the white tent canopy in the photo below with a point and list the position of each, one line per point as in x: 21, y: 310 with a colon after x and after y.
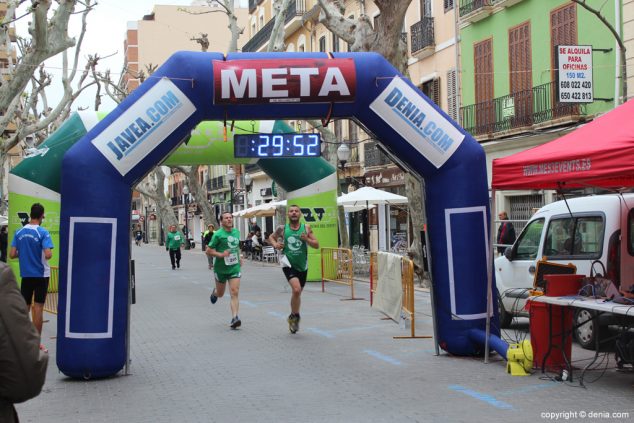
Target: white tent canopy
x: 264, y: 209
x: 366, y: 196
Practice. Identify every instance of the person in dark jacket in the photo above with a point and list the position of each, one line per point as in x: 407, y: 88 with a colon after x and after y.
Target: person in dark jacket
x: 209, y: 233
x: 4, y: 243
x: 23, y: 364
x: 506, y: 232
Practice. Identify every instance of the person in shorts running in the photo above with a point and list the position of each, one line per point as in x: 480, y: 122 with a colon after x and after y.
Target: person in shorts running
x: 32, y: 245
x: 292, y: 239
x: 225, y: 247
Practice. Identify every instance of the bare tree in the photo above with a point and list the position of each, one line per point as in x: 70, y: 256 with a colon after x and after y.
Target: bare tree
x: 385, y: 39
x: 30, y: 111
x: 203, y: 40
x: 362, y: 36
x: 619, y: 40
x: 226, y: 7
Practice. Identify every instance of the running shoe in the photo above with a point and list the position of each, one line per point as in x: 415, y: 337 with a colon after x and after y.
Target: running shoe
x: 235, y: 322
x: 293, y: 323
x: 213, y: 297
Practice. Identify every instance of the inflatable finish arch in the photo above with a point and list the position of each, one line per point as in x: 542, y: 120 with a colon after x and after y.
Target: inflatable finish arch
x: 99, y: 171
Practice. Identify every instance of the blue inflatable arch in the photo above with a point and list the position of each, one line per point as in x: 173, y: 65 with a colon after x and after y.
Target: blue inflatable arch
x: 99, y: 171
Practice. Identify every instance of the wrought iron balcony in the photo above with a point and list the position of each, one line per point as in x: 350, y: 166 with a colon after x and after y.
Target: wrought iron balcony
x: 518, y: 110
x: 373, y: 156
x: 295, y: 8
x: 505, y: 3
x: 475, y: 10
x: 423, y: 36
x: 215, y: 184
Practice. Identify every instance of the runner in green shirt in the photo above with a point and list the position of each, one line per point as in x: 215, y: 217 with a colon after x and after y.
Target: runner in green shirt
x: 292, y: 240
x: 225, y: 247
x: 173, y: 243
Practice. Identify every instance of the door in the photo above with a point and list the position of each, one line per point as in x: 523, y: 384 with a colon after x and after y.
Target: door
x: 521, y: 76
x: 485, y: 112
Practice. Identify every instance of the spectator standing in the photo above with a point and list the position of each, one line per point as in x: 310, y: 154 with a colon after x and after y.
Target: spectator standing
x: 23, y: 368
x: 225, y: 247
x: 506, y: 232
x: 4, y: 243
x: 256, y: 244
x: 32, y: 245
x: 173, y: 244
x: 292, y: 239
x: 209, y: 233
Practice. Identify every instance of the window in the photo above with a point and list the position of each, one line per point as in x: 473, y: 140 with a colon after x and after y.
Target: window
x: 521, y: 76
x: 483, y: 58
x: 322, y: 43
x: 432, y: 90
x: 352, y: 131
x: 448, y: 5
x: 528, y: 242
x: 376, y: 22
x: 425, y: 8
x: 335, y: 43
x: 578, y: 236
x: 452, y: 97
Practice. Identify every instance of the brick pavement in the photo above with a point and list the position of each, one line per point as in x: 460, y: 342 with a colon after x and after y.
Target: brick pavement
x: 343, y: 365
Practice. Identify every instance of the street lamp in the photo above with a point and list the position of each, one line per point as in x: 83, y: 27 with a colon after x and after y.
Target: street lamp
x: 343, y: 154
x: 248, y: 181
x: 145, y: 225
x: 186, y: 195
x: 231, y: 177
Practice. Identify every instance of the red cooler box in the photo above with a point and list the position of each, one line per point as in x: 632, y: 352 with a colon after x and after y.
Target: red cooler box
x: 541, y: 334
x: 562, y: 285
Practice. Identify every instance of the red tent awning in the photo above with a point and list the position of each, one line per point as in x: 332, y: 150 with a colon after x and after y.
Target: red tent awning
x: 600, y: 153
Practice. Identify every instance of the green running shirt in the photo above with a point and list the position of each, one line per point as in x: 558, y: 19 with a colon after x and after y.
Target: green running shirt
x: 295, y: 248
x: 222, y: 241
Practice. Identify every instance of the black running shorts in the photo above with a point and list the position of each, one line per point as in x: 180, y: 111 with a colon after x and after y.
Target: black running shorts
x: 290, y: 273
x: 37, y: 286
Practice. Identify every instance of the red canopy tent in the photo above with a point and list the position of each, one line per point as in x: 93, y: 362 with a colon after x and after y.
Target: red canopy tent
x: 597, y: 154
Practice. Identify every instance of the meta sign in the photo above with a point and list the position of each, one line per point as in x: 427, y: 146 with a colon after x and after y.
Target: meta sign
x: 287, y: 81
x: 575, y: 74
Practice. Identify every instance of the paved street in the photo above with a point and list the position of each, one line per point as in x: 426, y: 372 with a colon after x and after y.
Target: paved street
x: 343, y: 365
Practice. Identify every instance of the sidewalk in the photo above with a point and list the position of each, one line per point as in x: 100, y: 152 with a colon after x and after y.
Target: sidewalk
x: 343, y: 365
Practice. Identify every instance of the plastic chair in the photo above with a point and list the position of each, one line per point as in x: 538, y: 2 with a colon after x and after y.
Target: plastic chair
x: 269, y: 254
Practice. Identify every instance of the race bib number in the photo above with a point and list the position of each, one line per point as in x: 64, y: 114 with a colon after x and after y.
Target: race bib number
x: 177, y: 238
x: 231, y: 259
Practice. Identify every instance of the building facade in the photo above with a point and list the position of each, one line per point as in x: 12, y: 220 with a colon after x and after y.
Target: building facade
x: 509, y: 77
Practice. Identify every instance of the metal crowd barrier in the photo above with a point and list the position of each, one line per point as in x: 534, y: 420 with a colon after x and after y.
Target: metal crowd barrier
x: 50, y: 305
x: 407, y: 282
x: 337, y: 266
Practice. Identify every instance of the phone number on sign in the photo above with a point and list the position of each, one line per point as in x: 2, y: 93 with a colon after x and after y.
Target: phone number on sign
x: 568, y: 415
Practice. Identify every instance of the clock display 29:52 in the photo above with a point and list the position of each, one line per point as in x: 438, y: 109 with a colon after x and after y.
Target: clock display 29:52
x: 276, y: 145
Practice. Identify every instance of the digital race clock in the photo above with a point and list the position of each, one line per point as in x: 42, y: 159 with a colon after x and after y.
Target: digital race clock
x: 276, y: 145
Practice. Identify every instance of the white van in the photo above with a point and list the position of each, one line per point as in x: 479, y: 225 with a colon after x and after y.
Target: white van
x: 577, y: 231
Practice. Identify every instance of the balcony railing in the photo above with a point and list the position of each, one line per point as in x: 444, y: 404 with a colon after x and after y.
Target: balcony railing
x: 422, y: 34
x: 517, y: 110
x: 373, y: 156
x: 216, y: 183
x: 468, y: 6
x: 295, y: 8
